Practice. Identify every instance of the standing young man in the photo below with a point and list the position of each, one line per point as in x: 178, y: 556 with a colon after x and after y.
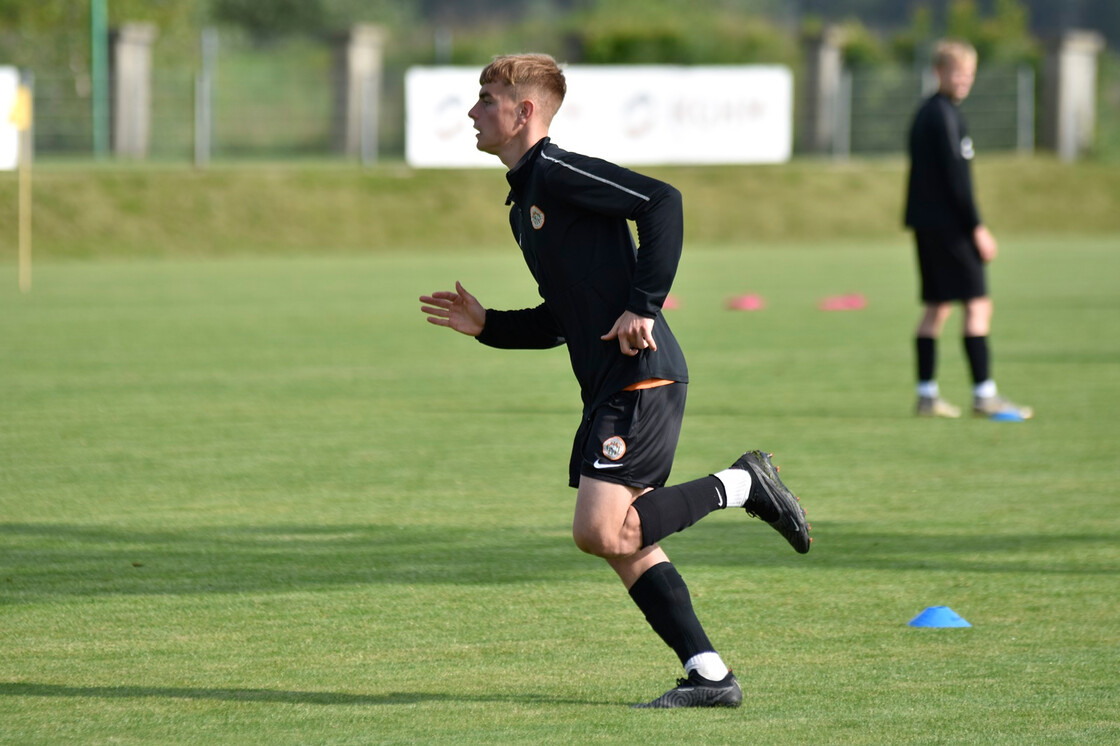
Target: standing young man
x: 953, y: 244
x: 602, y: 298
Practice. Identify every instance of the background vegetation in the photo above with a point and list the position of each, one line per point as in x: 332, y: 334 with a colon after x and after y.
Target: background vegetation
x: 172, y: 212
x: 607, y: 30
x: 52, y: 38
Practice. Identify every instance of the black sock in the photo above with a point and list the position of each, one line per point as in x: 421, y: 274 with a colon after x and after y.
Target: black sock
x: 667, y: 510
x: 927, y: 357
x: 979, y: 361
x: 663, y: 597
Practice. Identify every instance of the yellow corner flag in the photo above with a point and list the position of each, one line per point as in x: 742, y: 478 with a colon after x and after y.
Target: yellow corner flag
x: 21, y: 117
x: 21, y: 109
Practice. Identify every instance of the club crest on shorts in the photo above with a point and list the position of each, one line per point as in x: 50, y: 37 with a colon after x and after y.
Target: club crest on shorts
x: 536, y: 217
x: 614, y: 448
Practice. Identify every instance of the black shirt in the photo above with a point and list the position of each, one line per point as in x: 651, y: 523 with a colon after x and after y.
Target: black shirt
x: 939, y: 195
x: 569, y: 215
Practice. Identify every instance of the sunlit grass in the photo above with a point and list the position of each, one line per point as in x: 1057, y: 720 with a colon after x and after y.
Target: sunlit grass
x: 261, y: 501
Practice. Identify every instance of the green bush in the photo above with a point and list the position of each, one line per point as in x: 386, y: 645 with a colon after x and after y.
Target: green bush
x: 654, y: 32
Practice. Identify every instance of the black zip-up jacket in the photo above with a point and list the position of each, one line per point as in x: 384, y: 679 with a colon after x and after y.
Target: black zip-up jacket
x: 569, y: 216
x: 939, y: 196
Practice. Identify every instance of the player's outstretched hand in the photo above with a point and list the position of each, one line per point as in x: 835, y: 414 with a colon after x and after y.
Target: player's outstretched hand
x: 457, y: 310
x: 633, y: 332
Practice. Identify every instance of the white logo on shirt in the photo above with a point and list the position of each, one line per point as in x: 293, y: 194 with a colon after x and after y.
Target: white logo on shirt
x: 967, y: 151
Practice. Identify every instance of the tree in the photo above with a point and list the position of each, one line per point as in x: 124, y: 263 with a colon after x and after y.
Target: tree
x: 54, y: 34
x: 265, y: 18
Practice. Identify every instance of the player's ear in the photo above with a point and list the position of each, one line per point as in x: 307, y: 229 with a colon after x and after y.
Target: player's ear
x: 526, y: 110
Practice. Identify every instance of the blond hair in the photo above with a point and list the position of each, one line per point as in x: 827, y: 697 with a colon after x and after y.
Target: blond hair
x: 529, y: 74
x: 949, y: 52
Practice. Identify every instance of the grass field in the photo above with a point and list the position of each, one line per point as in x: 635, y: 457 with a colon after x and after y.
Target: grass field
x: 260, y: 501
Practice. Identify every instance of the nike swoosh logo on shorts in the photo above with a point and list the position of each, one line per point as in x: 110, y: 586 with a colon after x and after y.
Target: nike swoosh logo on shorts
x: 600, y: 465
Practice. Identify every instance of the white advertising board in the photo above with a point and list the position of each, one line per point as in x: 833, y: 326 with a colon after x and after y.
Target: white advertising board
x: 632, y: 115
x: 9, y: 133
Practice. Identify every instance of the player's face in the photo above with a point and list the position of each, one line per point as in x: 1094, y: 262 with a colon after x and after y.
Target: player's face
x: 956, y: 78
x: 495, y: 116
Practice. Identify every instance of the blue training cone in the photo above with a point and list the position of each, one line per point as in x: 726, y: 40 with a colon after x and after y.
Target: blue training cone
x: 939, y: 616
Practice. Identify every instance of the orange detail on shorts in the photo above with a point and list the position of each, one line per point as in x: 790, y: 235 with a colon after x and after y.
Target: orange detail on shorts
x: 649, y: 383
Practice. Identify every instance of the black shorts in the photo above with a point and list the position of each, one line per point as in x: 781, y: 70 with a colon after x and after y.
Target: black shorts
x: 631, y: 439
x: 950, y: 266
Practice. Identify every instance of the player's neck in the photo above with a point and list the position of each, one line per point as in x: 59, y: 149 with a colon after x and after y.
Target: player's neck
x: 516, y: 148
x: 952, y: 99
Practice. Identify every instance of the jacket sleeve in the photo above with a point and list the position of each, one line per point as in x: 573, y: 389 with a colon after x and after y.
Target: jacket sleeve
x: 660, y: 239
x: 656, y: 208
x: 523, y: 329
x: 947, y: 141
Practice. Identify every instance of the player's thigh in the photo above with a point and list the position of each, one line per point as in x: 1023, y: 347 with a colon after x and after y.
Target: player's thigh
x: 602, y: 506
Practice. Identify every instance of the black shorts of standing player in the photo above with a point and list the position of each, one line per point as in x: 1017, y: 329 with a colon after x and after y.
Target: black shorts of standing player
x: 631, y: 438
x: 950, y: 266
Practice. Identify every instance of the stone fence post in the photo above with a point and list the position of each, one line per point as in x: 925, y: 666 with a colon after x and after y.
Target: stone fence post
x: 824, y: 64
x: 132, y: 88
x: 1069, y: 94
x: 359, y: 57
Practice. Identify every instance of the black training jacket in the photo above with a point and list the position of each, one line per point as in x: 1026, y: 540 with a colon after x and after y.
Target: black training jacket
x: 940, y: 189
x: 569, y: 216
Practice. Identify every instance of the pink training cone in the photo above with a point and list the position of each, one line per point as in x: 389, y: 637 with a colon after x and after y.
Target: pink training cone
x: 849, y: 302
x: 748, y: 302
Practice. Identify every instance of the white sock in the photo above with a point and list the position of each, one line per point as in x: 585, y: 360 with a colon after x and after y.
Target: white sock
x: 737, y: 485
x: 984, y: 389
x: 928, y: 389
x: 709, y: 665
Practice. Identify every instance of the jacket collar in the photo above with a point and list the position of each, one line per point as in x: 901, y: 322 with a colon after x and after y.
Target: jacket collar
x: 519, y: 174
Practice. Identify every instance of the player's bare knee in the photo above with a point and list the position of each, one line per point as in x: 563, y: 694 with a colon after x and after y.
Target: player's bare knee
x: 978, y: 316
x: 934, y: 316
x: 587, y: 541
x: 597, y: 543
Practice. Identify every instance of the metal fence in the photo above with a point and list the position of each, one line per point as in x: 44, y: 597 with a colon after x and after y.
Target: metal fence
x: 276, y: 101
x: 255, y: 101
x: 876, y: 107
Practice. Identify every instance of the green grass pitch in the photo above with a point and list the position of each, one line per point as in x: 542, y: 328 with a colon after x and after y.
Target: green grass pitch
x: 261, y: 501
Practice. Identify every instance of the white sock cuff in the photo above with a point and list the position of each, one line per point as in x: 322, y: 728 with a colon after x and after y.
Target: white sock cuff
x: 709, y: 665
x: 928, y: 389
x: 984, y: 389
x: 737, y: 485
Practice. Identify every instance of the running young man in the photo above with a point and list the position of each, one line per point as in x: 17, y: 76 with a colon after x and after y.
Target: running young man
x: 953, y: 244
x: 603, y: 298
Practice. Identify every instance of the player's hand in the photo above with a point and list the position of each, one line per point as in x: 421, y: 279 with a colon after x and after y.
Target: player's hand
x: 457, y: 310
x: 633, y: 332
x: 985, y: 243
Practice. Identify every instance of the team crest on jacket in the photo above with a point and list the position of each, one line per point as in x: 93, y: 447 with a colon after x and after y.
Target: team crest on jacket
x: 614, y: 448
x: 967, y: 151
x: 536, y: 217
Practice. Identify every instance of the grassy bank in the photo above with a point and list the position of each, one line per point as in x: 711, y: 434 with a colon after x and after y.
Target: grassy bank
x: 111, y: 211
